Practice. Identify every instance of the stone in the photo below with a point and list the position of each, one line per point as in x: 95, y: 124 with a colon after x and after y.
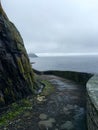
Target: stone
x: 27, y: 114
x: 70, y: 107
x: 68, y: 125
x: 46, y: 123
x: 43, y: 116
x: 66, y: 111
x: 52, y: 120
x: 41, y: 98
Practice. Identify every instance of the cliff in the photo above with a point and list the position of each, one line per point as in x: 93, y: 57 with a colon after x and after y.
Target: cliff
x: 16, y: 75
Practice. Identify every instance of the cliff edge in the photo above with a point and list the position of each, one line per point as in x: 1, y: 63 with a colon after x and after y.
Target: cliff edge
x: 16, y: 75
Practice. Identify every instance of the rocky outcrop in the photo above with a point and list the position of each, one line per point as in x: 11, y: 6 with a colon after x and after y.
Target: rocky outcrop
x: 32, y: 55
x: 16, y: 75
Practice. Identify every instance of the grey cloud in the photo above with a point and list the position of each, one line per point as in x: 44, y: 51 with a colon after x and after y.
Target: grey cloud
x: 56, y: 25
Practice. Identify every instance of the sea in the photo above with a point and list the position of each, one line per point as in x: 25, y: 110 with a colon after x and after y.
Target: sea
x: 88, y: 64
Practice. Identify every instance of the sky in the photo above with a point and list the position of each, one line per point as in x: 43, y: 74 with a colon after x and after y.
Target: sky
x: 56, y: 26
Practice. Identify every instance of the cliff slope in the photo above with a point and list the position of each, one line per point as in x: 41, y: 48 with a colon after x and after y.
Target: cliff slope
x: 16, y: 76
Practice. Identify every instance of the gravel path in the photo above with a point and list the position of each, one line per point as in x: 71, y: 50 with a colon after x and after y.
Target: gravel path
x: 62, y: 110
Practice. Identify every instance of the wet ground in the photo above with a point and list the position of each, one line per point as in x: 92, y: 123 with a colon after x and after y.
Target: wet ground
x: 62, y: 110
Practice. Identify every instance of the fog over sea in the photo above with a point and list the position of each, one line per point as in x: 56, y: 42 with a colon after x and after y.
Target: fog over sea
x: 82, y: 63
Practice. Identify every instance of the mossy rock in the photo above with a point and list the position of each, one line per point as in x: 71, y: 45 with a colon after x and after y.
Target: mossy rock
x: 16, y: 74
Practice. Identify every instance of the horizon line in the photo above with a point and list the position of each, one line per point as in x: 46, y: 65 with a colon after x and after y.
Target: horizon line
x: 67, y: 54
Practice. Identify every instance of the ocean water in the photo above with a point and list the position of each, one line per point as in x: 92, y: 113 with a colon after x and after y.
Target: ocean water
x: 87, y: 64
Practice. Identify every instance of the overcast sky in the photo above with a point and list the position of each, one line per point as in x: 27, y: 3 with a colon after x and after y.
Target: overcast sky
x: 50, y: 26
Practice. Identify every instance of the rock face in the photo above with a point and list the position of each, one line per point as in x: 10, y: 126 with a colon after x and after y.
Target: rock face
x: 16, y: 75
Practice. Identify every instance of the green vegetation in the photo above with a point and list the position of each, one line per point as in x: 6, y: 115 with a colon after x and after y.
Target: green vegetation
x: 20, y: 65
x: 16, y: 76
x: 14, y: 111
x: 48, y: 89
x: 20, y: 107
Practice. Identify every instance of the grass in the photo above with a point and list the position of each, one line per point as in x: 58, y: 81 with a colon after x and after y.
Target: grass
x: 48, y: 89
x: 15, y: 110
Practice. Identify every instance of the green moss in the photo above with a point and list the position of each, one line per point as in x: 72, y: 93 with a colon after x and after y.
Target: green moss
x: 15, y: 110
x: 15, y: 34
x: 6, y: 91
x: 29, y: 80
x: 20, y: 47
x: 28, y: 73
x: 1, y: 10
x: 26, y: 64
x: 9, y: 116
x: 2, y: 101
x: 20, y: 65
x: 48, y: 89
x: 26, y: 103
x: 13, y: 95
x: 10, y: 94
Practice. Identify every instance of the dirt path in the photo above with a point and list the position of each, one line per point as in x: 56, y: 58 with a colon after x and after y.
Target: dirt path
x: 62, y: 110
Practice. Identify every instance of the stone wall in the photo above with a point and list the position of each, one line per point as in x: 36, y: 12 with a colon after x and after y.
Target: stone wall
x: 78, y: 77
x: 92, y: 103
